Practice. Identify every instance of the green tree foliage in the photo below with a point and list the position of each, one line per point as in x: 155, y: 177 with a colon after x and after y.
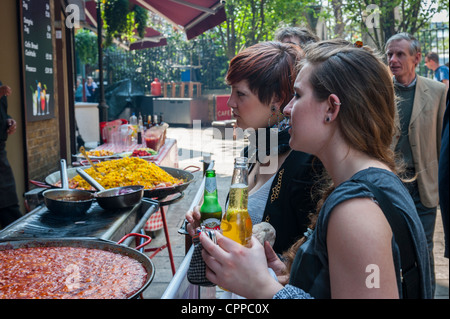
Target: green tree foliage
x: 378, y: 20
x: 86, y: 46
x: 252, y: 21
x: 123, y: 21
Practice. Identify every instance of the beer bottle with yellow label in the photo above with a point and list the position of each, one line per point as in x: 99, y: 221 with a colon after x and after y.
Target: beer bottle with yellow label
x: 210, y: 211
x: 236, y: 222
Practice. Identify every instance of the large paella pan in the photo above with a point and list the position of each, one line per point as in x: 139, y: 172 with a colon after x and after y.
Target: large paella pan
x: 85, y: 273
x: 176, y: 181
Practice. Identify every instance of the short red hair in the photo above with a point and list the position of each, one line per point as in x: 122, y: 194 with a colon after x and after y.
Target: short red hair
x: 269, y: 68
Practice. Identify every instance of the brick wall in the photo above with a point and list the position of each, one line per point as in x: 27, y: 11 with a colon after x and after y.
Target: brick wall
x: 43, y: 148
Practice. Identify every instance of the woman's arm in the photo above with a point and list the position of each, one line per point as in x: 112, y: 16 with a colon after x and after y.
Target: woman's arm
x: 360, y: 251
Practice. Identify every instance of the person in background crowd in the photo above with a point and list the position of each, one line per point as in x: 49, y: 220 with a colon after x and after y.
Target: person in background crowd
x: 440, y: 71
x: 444, y: 178
x: 262, y: 79
x: 79, y: 91
x: 421, y: 109
x: 300, y: 36
x: 91, y: 86
x: 350, y: 131
x: 9, y: 203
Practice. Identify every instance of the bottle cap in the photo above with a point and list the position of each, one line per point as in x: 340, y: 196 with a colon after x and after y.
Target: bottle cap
x: 207, y: 157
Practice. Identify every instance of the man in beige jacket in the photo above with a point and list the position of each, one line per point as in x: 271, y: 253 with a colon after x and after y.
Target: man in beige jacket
x: 420, y: 109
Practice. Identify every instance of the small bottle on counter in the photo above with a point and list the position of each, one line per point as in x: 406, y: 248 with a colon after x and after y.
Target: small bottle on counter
x: 140, y: 122
x: 134, y: 124
x: 139, y: 135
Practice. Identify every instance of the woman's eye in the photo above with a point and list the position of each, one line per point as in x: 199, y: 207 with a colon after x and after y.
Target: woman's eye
x: 296, y: 95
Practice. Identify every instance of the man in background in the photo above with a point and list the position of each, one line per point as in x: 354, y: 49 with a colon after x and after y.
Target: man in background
x: 421, y: 109
x: 300, y: 36
x: 440, y: 71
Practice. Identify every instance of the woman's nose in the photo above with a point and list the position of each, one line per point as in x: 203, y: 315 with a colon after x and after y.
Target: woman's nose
x: 287, y: 109
x: 230, y: 103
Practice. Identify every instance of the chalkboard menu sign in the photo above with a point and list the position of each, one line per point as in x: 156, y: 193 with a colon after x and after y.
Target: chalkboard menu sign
x: 38, y: 59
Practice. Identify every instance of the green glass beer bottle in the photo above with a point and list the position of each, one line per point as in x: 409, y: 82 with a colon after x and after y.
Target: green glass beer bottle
x: 211, y: 211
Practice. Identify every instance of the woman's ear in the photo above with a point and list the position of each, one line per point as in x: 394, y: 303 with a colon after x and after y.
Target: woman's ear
x: 334, y: 106
x: 276, y: 102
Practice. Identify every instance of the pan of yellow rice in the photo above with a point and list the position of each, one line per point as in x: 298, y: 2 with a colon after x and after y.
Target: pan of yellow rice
x: 158, y: 181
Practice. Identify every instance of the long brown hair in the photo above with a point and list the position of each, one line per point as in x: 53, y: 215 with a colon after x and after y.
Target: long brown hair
x: 270, y: 69
x: 366, y: 91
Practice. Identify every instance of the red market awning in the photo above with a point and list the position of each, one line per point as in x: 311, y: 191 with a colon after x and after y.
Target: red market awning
x: 152, y: 38
x: 191, y: 16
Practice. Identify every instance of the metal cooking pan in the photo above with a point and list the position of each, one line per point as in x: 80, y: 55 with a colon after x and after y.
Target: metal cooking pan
x: 114, y: 198
x: 55, y: 178
x: 93, y: 244
x: 163, y: 192
x: 67, y: 201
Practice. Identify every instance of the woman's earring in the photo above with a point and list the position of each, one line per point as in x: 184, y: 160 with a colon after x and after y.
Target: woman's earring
x: 273, y: 109
x: 280, y: 117
x: 328, y: 119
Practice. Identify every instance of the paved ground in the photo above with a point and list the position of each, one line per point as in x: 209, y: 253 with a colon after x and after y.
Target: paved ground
x: 191, y: 144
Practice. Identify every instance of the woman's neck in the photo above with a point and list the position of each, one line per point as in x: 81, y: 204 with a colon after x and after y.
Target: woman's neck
x: 342, y: 162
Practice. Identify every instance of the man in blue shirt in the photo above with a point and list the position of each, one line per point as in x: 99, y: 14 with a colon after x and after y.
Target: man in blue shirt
x: 440, y: 71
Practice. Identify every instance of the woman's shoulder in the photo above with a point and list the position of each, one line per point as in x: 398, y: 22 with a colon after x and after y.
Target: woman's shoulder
x: 386, y: 180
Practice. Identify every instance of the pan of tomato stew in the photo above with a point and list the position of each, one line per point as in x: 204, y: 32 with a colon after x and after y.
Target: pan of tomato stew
x: 73, y: 268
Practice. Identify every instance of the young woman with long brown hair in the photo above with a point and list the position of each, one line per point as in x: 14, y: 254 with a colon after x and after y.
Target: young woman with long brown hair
x: 343, y: 111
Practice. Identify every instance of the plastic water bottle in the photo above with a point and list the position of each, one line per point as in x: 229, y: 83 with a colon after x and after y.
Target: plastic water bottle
x: 134, y: 125
x: 133, y: 119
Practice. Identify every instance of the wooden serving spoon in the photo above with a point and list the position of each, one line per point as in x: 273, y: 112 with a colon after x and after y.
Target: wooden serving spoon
x: 83, y: 151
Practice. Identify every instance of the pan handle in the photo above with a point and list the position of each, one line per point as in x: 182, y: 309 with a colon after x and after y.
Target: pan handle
x: 39, y: 184
x: 195, y: 168
x: 63, y: 171
x: 90, y: 179
x: 149, y: 239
